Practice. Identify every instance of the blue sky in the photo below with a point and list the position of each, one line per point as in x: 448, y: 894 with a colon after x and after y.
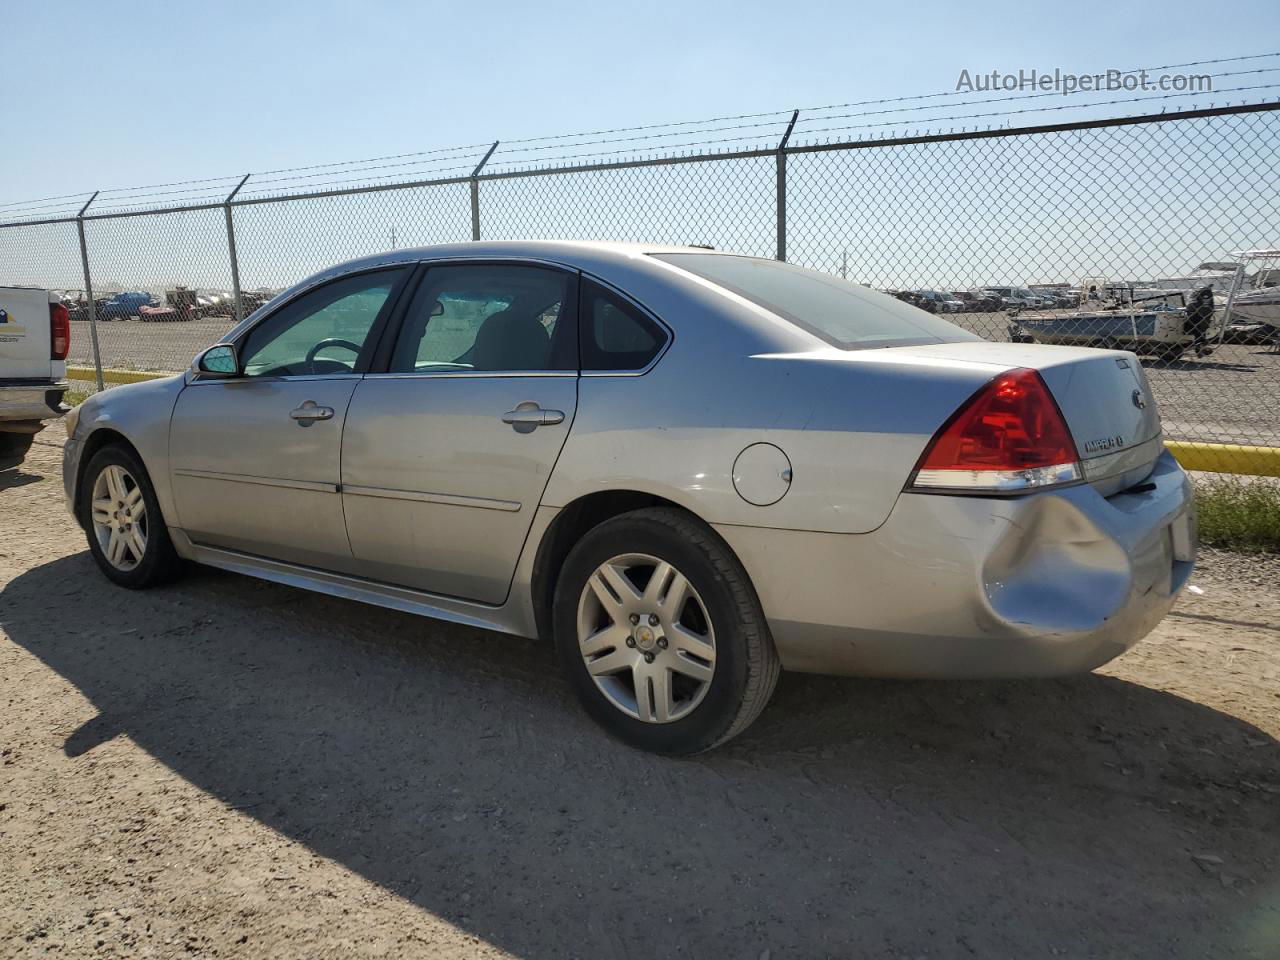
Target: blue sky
x: 113, y: 94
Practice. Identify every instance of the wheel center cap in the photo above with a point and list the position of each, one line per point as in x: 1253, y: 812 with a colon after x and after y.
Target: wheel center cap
x: 646, y: 639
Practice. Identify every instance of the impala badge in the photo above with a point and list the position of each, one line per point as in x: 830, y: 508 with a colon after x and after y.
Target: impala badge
x: 1103, y: 443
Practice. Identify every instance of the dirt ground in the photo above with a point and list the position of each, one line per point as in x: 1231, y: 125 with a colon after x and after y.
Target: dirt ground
x: 229, y: 768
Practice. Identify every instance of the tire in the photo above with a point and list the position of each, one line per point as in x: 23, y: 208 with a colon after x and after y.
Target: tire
x: 159, y: 562
x: 14, y: 448
x: 720, y: 616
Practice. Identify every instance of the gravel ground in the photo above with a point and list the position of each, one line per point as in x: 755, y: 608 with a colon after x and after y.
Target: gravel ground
x: 230, y: 768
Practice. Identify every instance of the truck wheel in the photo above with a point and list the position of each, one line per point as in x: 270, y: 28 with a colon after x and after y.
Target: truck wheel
x: 127, y: 535
x: 661, y: 634
x: 13, y: 448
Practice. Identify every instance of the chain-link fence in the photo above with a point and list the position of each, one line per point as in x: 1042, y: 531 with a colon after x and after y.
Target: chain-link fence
x: 1097, y: 233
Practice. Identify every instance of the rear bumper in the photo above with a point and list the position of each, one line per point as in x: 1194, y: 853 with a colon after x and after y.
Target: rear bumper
x: 1055, y: 583
x: 27, y: 403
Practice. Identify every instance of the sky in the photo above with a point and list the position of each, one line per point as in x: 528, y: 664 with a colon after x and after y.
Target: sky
x: 116, y: 93
x: 161, y: 96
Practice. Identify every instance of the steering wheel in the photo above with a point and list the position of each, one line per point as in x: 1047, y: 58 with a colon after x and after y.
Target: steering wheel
x: 325, y: 344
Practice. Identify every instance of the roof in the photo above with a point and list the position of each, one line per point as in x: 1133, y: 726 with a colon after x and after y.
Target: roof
x: 548, y: 249
x: 576, y: 253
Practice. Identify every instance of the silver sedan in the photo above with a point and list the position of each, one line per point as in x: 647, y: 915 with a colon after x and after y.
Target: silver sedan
x: 689, y: 469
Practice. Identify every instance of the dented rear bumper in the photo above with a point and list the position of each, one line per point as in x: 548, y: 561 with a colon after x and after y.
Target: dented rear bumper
x: 1053, y: 583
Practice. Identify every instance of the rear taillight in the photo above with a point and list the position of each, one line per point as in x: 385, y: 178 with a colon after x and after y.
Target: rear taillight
x: 59, y: 332
x: 1008, y: 437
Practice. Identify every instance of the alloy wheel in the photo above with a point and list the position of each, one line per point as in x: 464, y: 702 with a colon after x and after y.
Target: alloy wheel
x: 646, y: 638
x: 119, y: 517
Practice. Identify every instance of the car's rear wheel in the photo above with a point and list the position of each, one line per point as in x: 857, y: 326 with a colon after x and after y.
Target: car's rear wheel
x: 661, y: 634
x: 127, y: 535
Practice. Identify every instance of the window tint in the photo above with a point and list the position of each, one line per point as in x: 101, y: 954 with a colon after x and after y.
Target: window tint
x: 616, y: 335
x: 321, y: 332
x: 487, y: 317
x: 841, y: 313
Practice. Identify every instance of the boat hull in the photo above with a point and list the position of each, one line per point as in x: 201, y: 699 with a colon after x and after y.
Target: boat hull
x: 1264, y: 309
x: 1127, y: 330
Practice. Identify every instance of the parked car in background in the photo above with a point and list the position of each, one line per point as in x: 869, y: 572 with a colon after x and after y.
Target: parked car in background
x: 915, y: 299
x: 942, y: 302
x: 976, y: 302
x: 251, y: 300
x: 215, y: 305
x: 123, y: 306
x: 159, y: 314
x: 1015, y: 298
x: 76, y: 304
x: 633, y: 451
x: 35, y: 336
x: 1057, y: 298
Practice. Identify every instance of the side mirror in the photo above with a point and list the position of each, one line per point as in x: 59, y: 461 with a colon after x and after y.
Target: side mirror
x: 219, y: 361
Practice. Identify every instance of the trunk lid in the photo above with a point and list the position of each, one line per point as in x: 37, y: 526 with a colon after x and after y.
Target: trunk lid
x: 24, y: 334
x: 1103, y: 394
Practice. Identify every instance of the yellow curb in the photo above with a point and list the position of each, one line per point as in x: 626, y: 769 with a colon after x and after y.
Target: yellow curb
x: 113, y: 376
x: 1226, y: 458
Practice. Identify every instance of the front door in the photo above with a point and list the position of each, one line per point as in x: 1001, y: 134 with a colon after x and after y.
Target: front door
x: 255, y: 458
x: 446, y: 454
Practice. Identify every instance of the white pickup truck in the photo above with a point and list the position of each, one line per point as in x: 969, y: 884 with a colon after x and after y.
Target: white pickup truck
x: 35, y: 335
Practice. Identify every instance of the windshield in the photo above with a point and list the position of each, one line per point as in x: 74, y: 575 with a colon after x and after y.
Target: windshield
x: 841, y: 313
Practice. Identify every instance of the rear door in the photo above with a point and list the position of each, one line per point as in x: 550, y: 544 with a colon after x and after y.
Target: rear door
x: 255, y: 459
x: 447, y: 452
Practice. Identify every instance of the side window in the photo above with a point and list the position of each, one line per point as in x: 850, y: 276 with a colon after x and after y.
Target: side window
x: 322, y: 332
x: 616, y: 335
x: 487, y: 317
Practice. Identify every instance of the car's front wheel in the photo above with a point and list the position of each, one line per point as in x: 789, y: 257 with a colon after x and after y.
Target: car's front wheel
x: 127, y: 535
x: 661, y: 634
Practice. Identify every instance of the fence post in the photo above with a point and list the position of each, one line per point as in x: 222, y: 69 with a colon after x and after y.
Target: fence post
x: 475, y: 192
x: 781, y: 253
x: 88, y: 293
x: 231, y: 249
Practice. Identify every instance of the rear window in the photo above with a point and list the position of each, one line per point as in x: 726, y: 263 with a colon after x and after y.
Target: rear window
x: 841, y: 313
x: 614, y: 334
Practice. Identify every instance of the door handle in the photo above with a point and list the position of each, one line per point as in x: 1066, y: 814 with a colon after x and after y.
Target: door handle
x: 310, y: 412
x: 529, y: 416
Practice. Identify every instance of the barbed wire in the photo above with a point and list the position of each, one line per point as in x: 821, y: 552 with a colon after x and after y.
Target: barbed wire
x: 1066, y: 106
x: 856, y: 103
x: 656, y: 136
x: 708, y: 143
x: 782, y: 120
